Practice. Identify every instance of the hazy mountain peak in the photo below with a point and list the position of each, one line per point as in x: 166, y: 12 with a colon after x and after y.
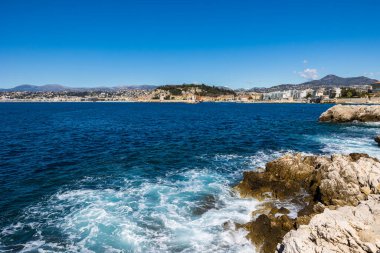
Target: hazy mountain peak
x: 330, y: 77
x: 327, y: 81
x: 58, y: 87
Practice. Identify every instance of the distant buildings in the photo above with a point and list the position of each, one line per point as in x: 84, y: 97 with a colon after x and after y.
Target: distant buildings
x: 277, y: 95
x: 75, y: 96
x: 287, y: 95
x: 302, y: 95
x: 200, y: 93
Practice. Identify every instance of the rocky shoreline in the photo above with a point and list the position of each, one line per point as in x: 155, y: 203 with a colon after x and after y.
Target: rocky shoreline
x: 346, y: 229
x: 316, y: 184
x: 337, y: 198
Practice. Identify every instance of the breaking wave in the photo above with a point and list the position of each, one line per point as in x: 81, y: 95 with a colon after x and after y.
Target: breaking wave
x: 194, y: 210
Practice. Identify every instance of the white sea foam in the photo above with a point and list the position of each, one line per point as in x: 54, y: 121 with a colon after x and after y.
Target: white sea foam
x: 194, y: 214
x: 189, y: 211
x: 372, y: 124
x: 356, y: 138
x: 193, y: 210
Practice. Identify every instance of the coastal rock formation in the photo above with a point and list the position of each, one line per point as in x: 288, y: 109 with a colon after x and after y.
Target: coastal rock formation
x: 349, y: 113
x: 282, y: 177
x: 269, y: 228
x: 346, y: 229
x: 346, y: 180
x: 336, y: 180
x: 329, y: 182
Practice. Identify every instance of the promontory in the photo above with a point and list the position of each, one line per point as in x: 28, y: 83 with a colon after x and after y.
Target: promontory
x: 349, y: 113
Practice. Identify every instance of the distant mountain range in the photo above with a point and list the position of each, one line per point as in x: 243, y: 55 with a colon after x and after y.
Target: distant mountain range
x: 329, y: 81
x: 35, y: 88
x: 58, y: 88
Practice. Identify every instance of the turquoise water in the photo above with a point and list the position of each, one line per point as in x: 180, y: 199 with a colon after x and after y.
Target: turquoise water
x: 136, y: 177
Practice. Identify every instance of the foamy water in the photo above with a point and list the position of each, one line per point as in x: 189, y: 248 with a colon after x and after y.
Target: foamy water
x: 147, y: 178
x: 191, y: 211
x: 196, y: 213
x: 356, y: 138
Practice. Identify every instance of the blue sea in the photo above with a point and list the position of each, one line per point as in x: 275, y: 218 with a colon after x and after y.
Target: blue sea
x: 146, y: 177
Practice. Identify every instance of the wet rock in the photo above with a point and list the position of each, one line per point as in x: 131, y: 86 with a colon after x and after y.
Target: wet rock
x: 264, y: 208
x: 336, y: 180
x: 228, y: 225
x: 283, y: 210
x: 377, y: 139
x: 282, y: 178
x: 349, y: 113
x: 302, y: 220
x: 267, y: 231
x: 346, y: 229
x: 357, y: 156
x: 206, y: 203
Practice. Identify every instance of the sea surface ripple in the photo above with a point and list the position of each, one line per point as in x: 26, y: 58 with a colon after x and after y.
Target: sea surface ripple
x: 142, y: 177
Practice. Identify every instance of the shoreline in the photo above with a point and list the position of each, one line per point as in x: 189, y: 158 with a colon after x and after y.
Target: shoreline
x: 190, y: 188
x: 320, y: 186
x: 190, y: 102
x: 338, y: 197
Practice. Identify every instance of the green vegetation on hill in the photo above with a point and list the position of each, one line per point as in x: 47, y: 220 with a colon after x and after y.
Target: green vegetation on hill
x: 352, y: 93
x: 197, y: 89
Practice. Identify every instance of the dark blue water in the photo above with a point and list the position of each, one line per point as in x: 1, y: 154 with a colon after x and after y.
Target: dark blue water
x: 136, y: 177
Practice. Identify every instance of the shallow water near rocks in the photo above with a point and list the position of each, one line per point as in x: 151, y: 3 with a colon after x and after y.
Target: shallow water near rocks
x: 135, y: 177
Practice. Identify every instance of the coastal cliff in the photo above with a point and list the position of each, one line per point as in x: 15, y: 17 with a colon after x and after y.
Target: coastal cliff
x: 349, y: 113
x: 329, y: 193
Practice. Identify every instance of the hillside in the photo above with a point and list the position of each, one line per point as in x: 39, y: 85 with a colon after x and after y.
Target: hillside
x: 59, y: 88
x: 336, y: 81
x: 329, y: 81
x: 36, y: 88
x: 196, y: 89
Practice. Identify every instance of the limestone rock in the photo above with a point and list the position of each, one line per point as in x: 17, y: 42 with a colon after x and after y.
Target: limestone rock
x: 348, y: 113
x: 346, y: 181
x: 336, y: 180
x: 282, y: 177
x: 330, y: 182
x: 346, y: 229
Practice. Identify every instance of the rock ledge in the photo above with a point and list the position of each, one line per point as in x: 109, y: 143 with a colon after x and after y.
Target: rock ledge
x: 346, y: 229
x: 349, y: 113
x: 325, y: 188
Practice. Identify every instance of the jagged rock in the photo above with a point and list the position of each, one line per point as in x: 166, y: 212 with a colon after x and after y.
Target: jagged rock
x: 346, y: 229
x: 282, y: 178
x: 281, y: 210
x: 268, y: 230
x: 329, y: 181
x: 346, y: 180
x: 336, y: 180
x: 348, y: 113
x: 269, y: 208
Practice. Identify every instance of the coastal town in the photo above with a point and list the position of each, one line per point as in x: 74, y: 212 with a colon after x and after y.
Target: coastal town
x: 189, y: 126
x: 326, y: 91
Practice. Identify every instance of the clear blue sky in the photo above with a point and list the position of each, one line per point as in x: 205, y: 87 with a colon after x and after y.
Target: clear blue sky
x: 233, y: 43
